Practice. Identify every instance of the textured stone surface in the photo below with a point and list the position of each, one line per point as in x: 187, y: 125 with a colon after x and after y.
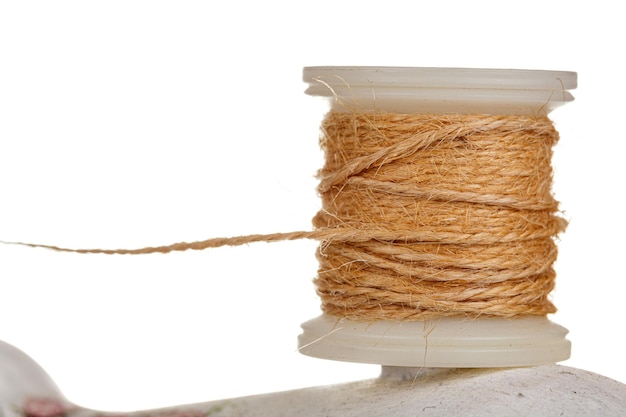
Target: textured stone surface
x: 536, y: 391
x: 26, y: 390
x: 21, y: 378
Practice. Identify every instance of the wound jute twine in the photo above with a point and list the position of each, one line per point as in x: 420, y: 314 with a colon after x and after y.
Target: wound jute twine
x: 426, y: 216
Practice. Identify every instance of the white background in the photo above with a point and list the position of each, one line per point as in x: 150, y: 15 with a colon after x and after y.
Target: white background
x: 133, y: 123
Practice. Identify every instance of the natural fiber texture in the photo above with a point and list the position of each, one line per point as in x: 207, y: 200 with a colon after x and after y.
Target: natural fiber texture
x: 427, y: 216
x: 460, y: 212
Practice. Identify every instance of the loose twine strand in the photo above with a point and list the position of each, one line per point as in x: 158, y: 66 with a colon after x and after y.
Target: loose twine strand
x: 427, y: 216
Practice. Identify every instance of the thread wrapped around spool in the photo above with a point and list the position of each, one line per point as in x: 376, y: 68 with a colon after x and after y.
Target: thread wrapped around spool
x: 460, y: 162
x: 458, y: 212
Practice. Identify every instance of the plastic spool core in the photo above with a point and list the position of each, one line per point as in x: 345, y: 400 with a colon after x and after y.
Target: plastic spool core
x: 451, y: 341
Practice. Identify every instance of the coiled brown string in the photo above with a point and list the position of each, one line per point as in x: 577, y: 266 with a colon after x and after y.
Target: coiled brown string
x: 468, y: 201
x: 427, y: 216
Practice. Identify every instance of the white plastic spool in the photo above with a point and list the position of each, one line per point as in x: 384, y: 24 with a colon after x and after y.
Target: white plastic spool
x: 447, y: 342
x: 441, y: 90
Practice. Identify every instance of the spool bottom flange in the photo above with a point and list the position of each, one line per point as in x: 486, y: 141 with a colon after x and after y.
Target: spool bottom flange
x: 448, y: 342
